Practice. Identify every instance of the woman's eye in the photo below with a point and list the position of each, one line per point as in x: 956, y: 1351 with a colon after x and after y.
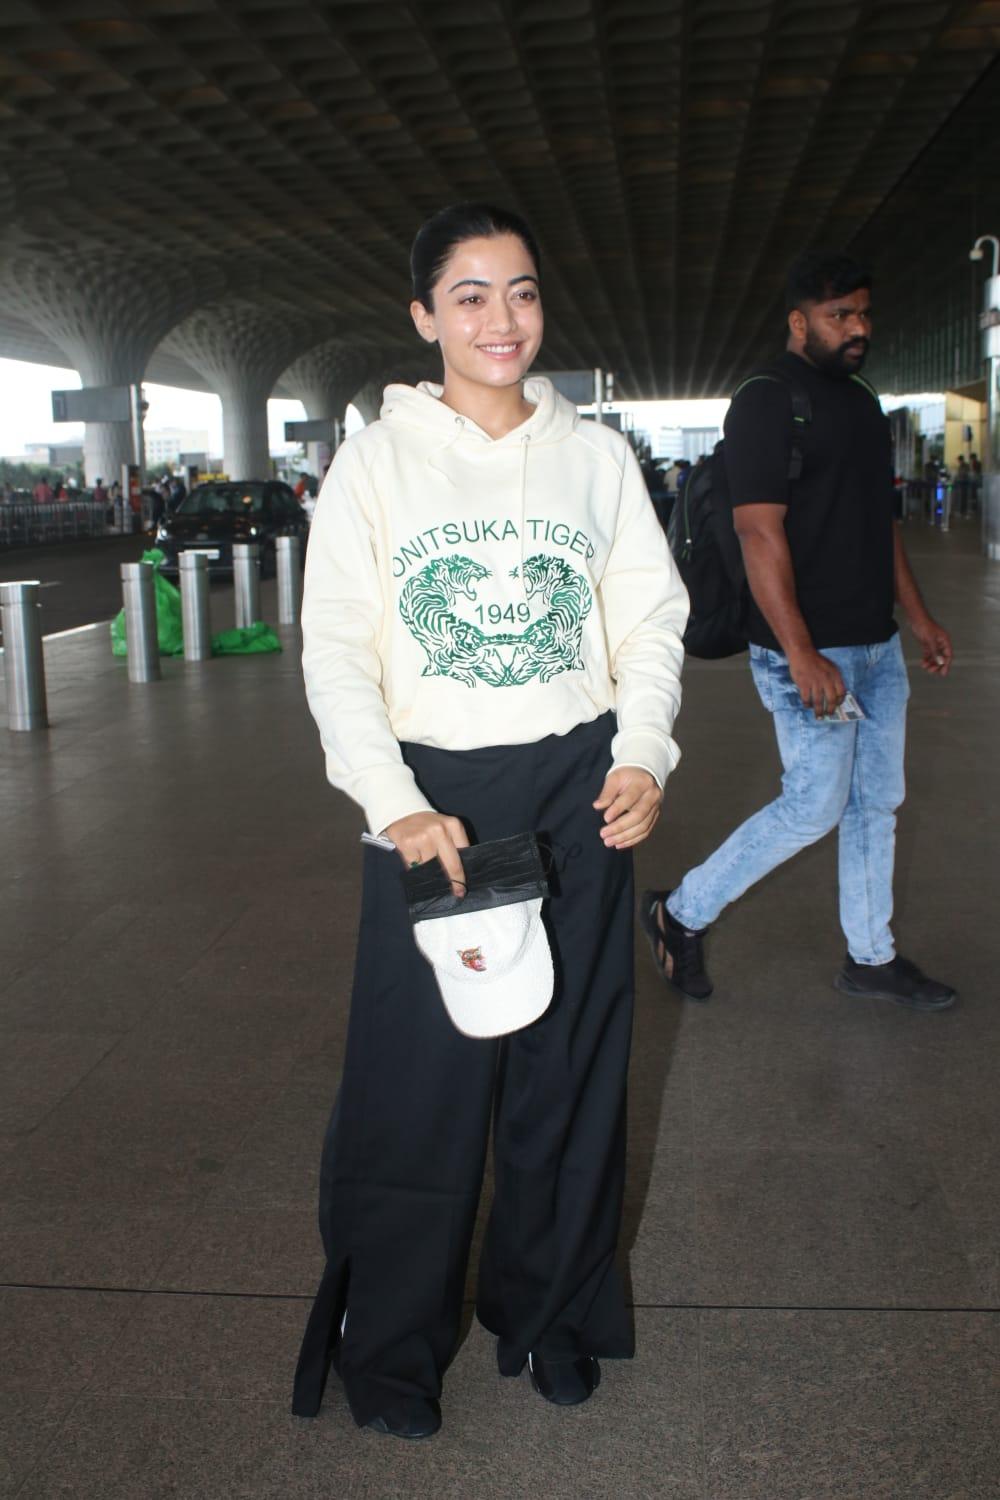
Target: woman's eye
x: 472, y: 297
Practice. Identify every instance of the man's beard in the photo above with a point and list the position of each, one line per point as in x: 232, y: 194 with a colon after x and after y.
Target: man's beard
x: 832, y: 361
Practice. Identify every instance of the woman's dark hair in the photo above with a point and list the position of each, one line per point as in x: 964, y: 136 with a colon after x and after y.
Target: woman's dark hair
x: 819, y: 277
x: 449, y: 227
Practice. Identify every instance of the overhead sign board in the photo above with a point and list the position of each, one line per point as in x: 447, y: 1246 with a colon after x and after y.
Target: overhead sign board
x: 319, y: 431
x: 98, y: 403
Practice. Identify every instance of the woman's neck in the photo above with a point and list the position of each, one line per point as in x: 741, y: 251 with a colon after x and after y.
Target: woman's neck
x: 497, y: 412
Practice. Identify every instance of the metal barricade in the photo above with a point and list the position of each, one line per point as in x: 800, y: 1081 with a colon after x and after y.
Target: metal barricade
x: 195, y: 615
x: 140, y: 622
x: 246, y: 583
x: 24, y: 662
x: 24, y: 523
x: 288, y: 551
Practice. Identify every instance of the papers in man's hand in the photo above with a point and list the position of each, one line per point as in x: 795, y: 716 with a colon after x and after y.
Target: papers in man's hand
x: 848, y: 712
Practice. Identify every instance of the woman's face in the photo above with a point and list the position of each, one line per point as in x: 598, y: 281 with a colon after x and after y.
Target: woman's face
x: 487, y: 314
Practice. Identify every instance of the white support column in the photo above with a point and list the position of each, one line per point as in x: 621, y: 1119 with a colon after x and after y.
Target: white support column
x: 106, y: 313
x: 324, y: 380
x: 241, y: 347
x: 408, y: 368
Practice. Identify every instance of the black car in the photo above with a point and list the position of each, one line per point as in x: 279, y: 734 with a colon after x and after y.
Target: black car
x: 215, y: 515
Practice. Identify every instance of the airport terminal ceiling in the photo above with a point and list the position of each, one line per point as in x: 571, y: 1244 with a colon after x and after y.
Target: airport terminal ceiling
x: 274, y: 157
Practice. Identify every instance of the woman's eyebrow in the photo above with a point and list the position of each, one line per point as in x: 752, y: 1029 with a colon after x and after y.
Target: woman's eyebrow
x: 472, y: 281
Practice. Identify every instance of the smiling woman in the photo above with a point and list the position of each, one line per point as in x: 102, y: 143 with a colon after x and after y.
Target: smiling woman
x: 491, y: 647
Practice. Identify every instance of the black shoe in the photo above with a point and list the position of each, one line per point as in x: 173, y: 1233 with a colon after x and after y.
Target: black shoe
x: 899, y: 980
x: 564, y: 1382
x: 686, y: 971
x: 408, y: 1417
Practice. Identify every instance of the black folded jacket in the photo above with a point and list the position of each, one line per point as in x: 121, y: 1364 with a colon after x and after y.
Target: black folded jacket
x: 499, y: 873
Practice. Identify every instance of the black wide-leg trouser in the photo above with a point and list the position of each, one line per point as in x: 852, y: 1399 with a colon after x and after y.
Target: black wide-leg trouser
x: 405, y: 1150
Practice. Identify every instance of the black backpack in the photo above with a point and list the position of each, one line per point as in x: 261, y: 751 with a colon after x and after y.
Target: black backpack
x: 706, y: 548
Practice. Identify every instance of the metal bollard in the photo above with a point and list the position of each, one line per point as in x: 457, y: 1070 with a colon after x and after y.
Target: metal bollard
x: 194, y: 606
x: 24, y: 663
x: 289, y: 552
x: 246, y: 582
x: 140, y: 622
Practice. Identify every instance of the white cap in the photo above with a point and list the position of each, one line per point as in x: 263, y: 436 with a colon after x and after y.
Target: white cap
x: 493, y: 967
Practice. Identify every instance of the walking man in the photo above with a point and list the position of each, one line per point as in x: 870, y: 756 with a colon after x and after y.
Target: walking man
x: 825, y: 564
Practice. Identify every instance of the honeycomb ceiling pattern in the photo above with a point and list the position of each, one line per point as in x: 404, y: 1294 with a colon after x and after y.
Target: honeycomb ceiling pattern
x: 672, y: 155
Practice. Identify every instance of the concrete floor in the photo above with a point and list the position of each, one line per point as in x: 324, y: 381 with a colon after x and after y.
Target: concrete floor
x: 813, y: 1222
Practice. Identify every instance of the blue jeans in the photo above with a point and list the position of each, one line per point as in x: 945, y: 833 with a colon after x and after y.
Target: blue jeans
x: 836, y: 775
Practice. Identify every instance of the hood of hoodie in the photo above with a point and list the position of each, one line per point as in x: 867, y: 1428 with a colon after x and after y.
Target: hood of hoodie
x: 421, y: 408
x: 452, y: 443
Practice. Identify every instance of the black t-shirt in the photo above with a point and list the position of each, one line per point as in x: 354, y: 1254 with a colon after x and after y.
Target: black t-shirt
x: 840, y: 512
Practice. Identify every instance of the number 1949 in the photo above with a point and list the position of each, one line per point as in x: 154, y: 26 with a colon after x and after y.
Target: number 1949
x: 495, y: 614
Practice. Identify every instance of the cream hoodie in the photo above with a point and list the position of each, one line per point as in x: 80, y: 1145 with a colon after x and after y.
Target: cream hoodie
x: 463, y: 591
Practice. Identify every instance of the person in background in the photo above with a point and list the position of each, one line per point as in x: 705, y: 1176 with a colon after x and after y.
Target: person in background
x: 42, y: 492
x: 975, y: 481
x: 669, y: 471
x: 960, y: 488
x: 826, y: 565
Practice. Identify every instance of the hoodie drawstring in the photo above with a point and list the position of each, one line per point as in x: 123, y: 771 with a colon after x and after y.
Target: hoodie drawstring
x: 522, y: 529
x: 443, y: 449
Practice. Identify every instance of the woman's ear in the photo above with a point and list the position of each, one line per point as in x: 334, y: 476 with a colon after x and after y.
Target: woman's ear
x: 423, y: 321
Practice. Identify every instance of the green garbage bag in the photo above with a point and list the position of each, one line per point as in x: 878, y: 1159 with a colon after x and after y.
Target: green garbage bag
x: 169, y: 628
x: 246, y: 641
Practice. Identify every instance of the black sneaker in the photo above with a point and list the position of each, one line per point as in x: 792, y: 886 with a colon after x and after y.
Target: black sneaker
x: 686, y: 971
x: 899, y: 980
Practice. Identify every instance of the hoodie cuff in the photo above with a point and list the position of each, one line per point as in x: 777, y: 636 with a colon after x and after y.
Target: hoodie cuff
x: 655, y: 753
x: 389, y: 794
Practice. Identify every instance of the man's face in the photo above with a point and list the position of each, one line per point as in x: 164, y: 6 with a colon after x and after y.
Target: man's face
x: 834, y: 335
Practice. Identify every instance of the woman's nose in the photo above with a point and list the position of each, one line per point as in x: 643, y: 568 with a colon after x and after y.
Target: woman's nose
x: 501, y: 317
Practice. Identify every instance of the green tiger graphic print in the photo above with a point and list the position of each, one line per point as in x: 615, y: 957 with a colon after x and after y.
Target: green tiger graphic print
x: 456, y: 648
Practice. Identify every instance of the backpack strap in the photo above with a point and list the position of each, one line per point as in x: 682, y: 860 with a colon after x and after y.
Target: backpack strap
x: 801, y: 410
x: 860, y: 380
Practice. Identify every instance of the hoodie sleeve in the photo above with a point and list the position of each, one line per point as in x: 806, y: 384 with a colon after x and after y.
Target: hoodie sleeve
x: 343, y: 608
x: 645, y: 613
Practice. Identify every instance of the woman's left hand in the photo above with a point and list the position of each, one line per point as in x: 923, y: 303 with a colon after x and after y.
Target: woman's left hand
x: 630, y: 800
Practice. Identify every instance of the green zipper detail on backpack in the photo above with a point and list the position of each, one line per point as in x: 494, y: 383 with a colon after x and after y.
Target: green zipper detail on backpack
x: 775, y: 380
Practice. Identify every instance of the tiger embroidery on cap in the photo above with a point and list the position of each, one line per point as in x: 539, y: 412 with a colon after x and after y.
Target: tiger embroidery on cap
x: 473, y: 958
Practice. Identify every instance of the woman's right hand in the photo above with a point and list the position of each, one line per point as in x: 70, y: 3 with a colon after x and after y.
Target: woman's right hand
x: 424, y: 835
